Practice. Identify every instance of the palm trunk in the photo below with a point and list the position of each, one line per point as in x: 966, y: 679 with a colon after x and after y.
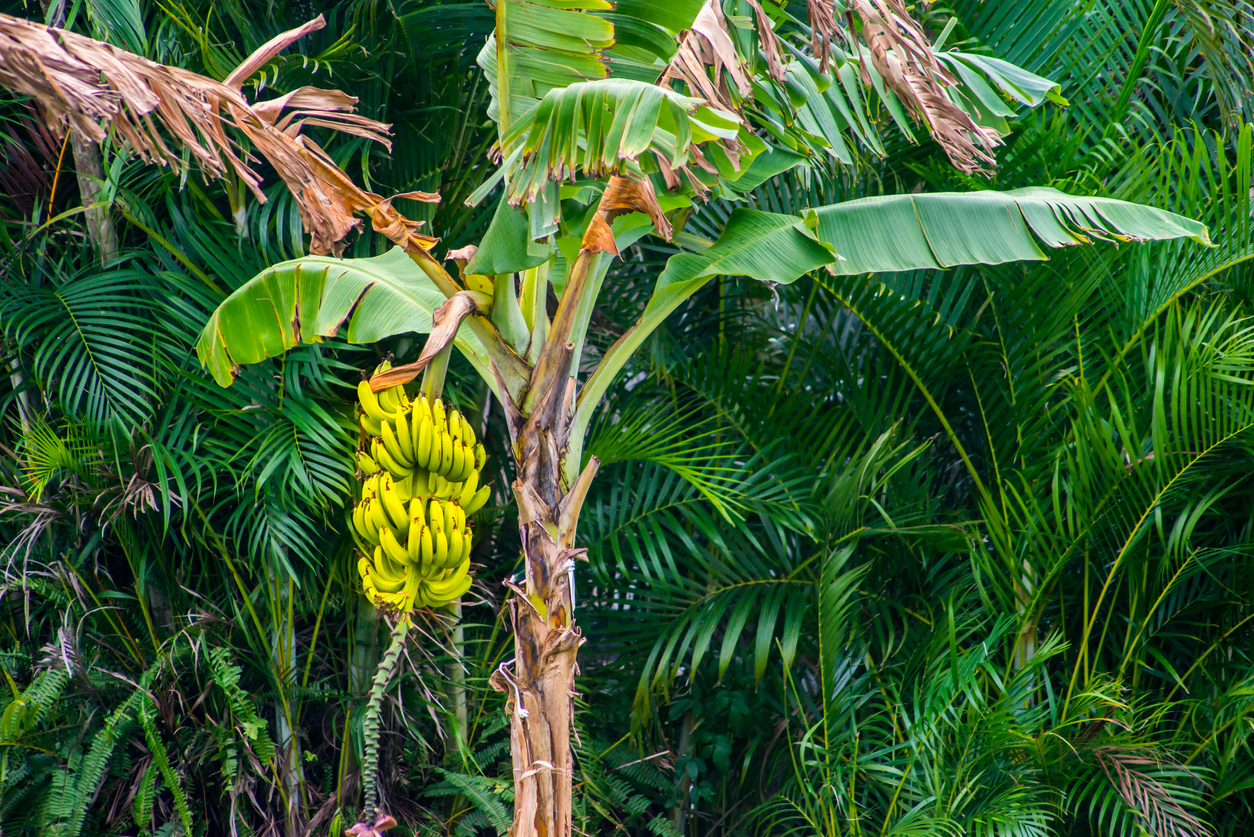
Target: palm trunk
x: 90, y: 172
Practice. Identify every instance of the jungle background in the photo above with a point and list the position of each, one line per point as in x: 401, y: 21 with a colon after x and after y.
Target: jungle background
x: 986, y: 532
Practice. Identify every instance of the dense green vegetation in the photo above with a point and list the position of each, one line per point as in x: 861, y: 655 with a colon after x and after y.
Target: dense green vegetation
x: 962, y: 551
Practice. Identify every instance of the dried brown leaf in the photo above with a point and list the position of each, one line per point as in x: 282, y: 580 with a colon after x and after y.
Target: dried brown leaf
x: 903, y: 56
x: 159, y: 111
x: 822, y: 15
x: 445, y: 321
x: 709, y: 45
x: 623, y: 194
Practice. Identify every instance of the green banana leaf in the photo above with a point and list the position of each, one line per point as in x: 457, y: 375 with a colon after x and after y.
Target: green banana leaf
x: 763, y: 245
x: 945, y: 229
x: 307, y: 299
x: 893, y: 233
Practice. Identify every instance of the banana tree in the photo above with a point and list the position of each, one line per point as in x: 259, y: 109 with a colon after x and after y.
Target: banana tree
x: 614, y: 123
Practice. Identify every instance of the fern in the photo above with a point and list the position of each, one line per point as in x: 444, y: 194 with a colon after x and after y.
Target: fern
x: 226, y: 675
x: 74, y: 787
x: 162, y: 760
x: 489, y: 796
x: 145, y: 795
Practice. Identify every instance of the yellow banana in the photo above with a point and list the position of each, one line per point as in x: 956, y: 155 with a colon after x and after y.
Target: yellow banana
x: 422, y: 448
x: 405, y: 488
x: 390, y: 399
x: 398, y: 515
x: 455, y: 424
x: 373, y: 427
x: 412, y: 584
x: 426, y: 551
x: 371, y: 404
x: 438, y: 415
x: 414, y: 546
x: 467, y: 543
x: 385, y: 459
x: 437, y: 450
x: 368, y: 532
x: 365, y: 464
x: 422, y: 407
x: 363, y: 566
x: 477, y: 502
x: 459, y: 462
x: 481, y: 457
x: 417, y: 512
x: 447, y: 589
x: 455, y: 543
x: 392, y: 547
x: 446, y: 459
x: 468, y: 488
x: 375, y: 515
x: 404, y: 439
x: 394, y: 447
x: 441, y: 549
x: 387, y: 576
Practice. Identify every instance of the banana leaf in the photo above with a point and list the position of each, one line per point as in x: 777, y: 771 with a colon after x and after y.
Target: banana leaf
x: 307, y: 299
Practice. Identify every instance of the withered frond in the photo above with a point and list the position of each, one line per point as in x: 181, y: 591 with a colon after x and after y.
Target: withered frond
x: 903, y: 56
x: 158, y: 111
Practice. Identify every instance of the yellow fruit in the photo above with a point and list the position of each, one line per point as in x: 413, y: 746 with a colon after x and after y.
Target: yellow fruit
x: 394, y: 447
x: 392, y: 547
x: 477, y: 502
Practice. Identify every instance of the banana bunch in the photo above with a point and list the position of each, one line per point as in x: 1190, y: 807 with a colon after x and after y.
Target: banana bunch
x: 421, y: 467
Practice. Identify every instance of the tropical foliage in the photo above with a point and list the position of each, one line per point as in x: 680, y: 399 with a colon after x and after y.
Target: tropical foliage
x: 893, y: 547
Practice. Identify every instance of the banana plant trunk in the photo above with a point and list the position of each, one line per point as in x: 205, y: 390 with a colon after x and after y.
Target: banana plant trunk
x: 539, y: 408
x: 541, y: 686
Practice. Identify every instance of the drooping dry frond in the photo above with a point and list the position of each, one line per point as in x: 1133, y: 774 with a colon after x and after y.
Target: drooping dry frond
x: 903, y: 57
x: 822, y: 16
x: 158, y: 111
x: 708, y: 44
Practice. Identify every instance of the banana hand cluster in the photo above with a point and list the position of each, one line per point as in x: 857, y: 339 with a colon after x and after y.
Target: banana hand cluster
x: 421, y: 470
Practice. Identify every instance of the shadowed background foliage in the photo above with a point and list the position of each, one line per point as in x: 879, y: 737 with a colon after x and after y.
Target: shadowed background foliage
x: 962, y: 552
